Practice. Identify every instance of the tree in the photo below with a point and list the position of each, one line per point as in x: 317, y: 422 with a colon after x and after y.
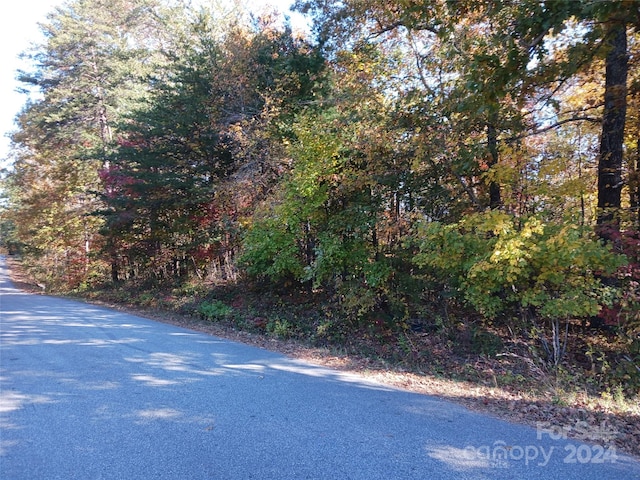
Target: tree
x: 466, y: 67
x: 339, y: 215
x: 188, y: 161
x: 509, y: 52
x: 610, y: 181
x: 84, y: 76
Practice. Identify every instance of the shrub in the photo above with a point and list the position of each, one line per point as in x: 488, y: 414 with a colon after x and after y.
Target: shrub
x: 624, y: 313
x: 497, y: 266
x: 503, y: 268
x: 281, y: 328
x: 216, y: 310
x: 270, y: 250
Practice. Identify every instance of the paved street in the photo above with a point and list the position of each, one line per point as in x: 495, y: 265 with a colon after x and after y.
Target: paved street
x: 92, y: 393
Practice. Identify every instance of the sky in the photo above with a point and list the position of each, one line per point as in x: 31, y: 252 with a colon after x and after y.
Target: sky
x: 18, y: 29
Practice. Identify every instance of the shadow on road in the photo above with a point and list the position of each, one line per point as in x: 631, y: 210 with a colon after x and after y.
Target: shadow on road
x: 88, y: 392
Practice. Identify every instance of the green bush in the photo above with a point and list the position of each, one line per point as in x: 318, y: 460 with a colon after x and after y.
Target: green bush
x: 627, y: 371
x: 216, y: 310
x: 501, y: 267
x: 270, y: 250
x: 505, y: 267
x: 281, y: 328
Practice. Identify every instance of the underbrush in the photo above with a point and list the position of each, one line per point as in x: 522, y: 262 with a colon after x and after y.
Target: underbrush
x: 596, y: 365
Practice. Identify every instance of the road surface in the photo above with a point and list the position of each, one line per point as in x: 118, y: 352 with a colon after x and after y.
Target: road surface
x: 91, y: 393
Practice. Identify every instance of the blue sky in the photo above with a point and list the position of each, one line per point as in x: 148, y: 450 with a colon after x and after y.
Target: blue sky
x: 18, y: 29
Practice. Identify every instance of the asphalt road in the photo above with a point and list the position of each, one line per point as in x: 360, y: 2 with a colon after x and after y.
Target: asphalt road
x: 92, y: 393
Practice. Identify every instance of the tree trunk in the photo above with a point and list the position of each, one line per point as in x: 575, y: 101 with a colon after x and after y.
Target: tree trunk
x: 637, y: 177
x: 634, y: 180
x: 613, y: 123
x: 495, y: 200
x: 115, y: 273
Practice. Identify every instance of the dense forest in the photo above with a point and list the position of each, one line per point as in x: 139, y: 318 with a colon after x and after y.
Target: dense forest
x: 466, y: 166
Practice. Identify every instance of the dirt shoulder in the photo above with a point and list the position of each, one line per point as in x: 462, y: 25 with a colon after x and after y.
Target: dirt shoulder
x: 597, y: 420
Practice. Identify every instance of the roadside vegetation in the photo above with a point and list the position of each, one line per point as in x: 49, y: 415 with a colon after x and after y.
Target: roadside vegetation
x: 443, y: 195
